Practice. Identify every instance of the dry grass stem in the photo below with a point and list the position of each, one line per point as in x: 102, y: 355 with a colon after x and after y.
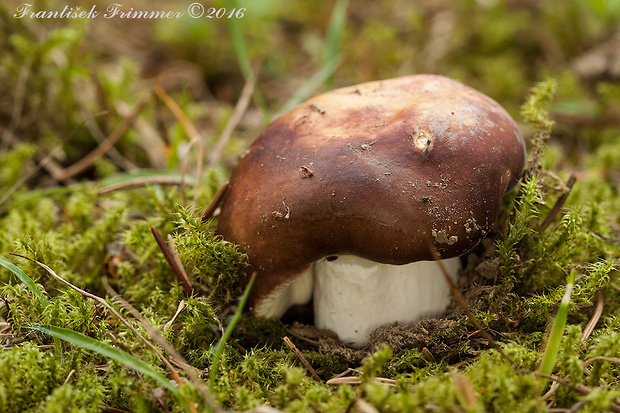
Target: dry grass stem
x: 590, y: 361
x: 177, y: 259
x: 239, y: 111
x: 579, y: 388
x: 152, y: 143
x: 264, y: 409
x: 172, y: 262
x: 615, y: 241
x: 215, y: 202
x: 559, y: 203
x: 41, y: 164
x: 364, y: 407
x: 463, y: 303
x: 598, y: 311
x: 139, y: 182
x: 465, y: 389
x: 101, y: 301
x: 18, y: 103
x: 46, y: 162
x: 174, y: 317
x: 302, y: 358
x: 100, y: 137
x: 68, y: 377
x: 337, y: 381
x: 199, y: 163
x: 189, y: 129
x: 157, y: 337
x: 105, y: 146
x: 195, y: 141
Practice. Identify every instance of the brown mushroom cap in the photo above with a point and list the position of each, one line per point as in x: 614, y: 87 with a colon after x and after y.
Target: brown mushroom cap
x: 372, y: 170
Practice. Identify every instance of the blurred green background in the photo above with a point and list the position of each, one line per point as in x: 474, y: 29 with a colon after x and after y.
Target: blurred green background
x: 55, y: 73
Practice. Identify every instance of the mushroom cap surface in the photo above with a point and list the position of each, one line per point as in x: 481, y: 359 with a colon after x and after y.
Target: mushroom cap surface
x: 373, y: 170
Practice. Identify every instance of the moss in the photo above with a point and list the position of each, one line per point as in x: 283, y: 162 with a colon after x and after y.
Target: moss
x: 217, y: 264
x: 35, y: 381
x: 84, y: 67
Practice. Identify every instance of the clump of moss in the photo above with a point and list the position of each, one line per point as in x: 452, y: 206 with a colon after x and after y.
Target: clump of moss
x: 215, y: 263
x: 35, y: 380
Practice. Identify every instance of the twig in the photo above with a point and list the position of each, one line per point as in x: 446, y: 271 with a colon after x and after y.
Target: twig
x: 559, y: 203
x: 239, y: 111
x: 172, y: 262
x: 215, y: 202
x: 105, y: 146
x: 142, y: 181
x: 600, y: 303
x: 302, y: 358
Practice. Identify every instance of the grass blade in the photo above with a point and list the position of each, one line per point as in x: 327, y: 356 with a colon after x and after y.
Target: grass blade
x: 108, y: 351
x: 557, y: 330
x: 222, y: 343
x: 303, y: 92
x: 335, y: 35
x: 23, y: 277
x: 32, y: 286
x: 243, y: 58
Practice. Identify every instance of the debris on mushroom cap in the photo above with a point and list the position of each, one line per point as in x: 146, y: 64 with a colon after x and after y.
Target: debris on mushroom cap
x: 386, y: 167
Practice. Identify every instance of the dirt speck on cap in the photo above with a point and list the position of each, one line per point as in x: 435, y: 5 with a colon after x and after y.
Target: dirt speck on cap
x: 442, y: 237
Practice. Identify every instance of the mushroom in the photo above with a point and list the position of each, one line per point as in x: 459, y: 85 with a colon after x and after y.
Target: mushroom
x: 341, y: 198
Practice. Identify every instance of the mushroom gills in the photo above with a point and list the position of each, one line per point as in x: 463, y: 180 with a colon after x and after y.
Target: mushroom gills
x: 353, y: 296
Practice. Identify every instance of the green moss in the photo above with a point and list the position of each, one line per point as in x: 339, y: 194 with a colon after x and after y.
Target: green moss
x: 502, y: 48
x: 215, y: 263
x: 32, y: 380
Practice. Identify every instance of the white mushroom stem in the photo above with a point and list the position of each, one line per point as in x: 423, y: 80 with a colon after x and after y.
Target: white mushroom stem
x: 354, y: 296
x: 296, y: 292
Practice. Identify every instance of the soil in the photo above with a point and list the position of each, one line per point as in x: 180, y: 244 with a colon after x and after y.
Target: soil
x: 443, y: 337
